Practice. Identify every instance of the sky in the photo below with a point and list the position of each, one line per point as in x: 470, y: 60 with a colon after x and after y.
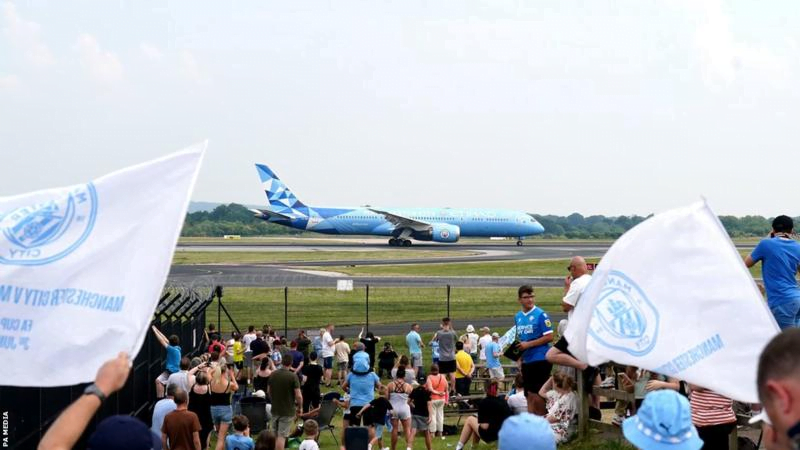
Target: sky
x: 552, y: 107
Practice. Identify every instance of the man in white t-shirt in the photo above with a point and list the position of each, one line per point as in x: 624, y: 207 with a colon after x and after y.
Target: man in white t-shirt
x: 482, y: 342
x: 327, y: 353
x: 574, y: 285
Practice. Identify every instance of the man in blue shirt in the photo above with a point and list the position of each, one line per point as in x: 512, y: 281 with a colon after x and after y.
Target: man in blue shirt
x: 534, y: 332
x: 780, y: 258
x: 415, y: 345
x: 173, y: 360
x: 492, y: 354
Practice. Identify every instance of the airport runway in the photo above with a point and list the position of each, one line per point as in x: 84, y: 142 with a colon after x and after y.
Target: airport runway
x: 302, y: 273
x: 292, y: 274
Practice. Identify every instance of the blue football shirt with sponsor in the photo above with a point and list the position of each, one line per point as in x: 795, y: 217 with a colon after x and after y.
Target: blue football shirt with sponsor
x: 531, y: 326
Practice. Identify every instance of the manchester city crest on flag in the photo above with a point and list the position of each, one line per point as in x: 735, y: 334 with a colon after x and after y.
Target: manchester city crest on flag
x: 624, y: 319
x: 48, y: 231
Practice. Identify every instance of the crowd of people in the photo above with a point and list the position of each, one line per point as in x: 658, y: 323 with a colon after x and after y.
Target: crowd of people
x: 198, y: 397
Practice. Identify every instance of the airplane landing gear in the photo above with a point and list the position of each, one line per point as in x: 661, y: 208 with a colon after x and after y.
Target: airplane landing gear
x: 406, y: 243
x: 399, y: 242
x: 519, y: 243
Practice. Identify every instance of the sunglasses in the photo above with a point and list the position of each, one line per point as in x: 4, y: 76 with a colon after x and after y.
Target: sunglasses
x: 570, y: 267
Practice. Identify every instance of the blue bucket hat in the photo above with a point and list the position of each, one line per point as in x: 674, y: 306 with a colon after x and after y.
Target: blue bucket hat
x: 524, y: 432
x: 664, y: 422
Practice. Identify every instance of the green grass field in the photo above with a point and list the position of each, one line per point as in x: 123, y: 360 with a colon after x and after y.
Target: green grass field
x: 315, y: 307
x: 526, y: 268
x: 182, y: 257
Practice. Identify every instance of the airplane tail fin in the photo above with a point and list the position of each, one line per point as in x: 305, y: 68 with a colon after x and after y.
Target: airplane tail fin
x: 281, y: 199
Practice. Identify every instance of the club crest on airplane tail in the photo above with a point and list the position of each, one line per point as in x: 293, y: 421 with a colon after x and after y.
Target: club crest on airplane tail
x: 624, y: 318
x: 50, y: 230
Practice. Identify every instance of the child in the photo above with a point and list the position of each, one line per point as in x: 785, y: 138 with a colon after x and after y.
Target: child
x: 240, y: 439
x: 378, y: 410
x: 421, y: 412
x: 310, y: 428
x: 562, y: 405
x: 435, y: 352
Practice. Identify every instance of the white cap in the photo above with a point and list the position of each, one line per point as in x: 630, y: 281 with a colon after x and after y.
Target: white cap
x: 260, y: 393
x: 470, y: 328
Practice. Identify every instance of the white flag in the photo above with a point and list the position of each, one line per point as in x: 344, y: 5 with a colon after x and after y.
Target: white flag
x: 673, y: 296
x: 82, y: 268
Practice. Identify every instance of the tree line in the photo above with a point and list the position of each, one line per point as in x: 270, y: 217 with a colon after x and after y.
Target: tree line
x: 237, y: 219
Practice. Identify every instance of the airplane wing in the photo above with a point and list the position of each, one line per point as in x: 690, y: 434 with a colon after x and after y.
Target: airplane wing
x: 268, y: 213
x: 401, y: 221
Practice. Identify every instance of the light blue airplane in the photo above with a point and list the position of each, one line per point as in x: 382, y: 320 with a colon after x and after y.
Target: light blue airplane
x: 401, y: 224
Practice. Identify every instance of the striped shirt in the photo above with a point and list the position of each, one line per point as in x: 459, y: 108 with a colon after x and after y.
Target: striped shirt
x: 710, y: 408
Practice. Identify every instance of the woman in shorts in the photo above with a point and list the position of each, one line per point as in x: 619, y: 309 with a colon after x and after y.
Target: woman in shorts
x: 398, y: 391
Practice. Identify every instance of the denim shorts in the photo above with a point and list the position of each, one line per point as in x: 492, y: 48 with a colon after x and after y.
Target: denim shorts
x: 327, y: 362
x: 221, y: 414
x: 787, y: 314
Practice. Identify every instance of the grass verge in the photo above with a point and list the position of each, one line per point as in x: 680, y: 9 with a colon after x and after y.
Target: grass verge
x: 182, y: 257
x: 314, y: 307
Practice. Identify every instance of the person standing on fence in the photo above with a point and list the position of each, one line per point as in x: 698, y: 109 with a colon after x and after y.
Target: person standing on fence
x: 327, y: 353
x: 534, y: 332
x: 172, y: 363
x: 415, y: 346
x: 447, y: 350
x: 780, y: 259
x: 287, y: 400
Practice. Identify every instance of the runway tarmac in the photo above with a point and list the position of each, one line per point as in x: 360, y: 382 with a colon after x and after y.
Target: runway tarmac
x: 286, y: 273
x: 302, y: 273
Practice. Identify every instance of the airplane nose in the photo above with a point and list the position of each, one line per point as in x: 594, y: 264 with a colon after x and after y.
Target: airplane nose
x: 537, y: 228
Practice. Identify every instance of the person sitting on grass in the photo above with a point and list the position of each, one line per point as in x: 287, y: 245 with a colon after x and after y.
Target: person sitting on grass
x: 240, y: 439
x: 492, y: 412
x: 517, y: 401
x: 378, y: 409
x: 386, y: 359
x: 311, y: 430
x: 562, y: 405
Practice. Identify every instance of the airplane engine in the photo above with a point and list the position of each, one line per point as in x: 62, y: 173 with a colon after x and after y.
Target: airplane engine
x: 444, y: 232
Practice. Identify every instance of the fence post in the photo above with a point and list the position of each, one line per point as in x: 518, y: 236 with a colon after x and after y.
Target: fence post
x: 448, y: 300
x: 286, y: 311
x: 583, y: 414
x: 367, y: 310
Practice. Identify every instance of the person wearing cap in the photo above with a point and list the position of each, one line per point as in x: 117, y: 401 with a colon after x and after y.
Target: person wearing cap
x: 181, y: 428
x: 115, y: 432
x: 778, y: 382
x: 526, y: 431
x: 493, y: 352
x: 473, y: 342
x: 780, y: 259
x: 664, y: 422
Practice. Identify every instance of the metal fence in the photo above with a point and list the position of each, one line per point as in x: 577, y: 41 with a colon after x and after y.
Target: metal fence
x: 30, y: 411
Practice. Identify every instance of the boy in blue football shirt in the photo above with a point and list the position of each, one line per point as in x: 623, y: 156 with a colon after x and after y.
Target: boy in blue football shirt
x: 780, y: 257
x: 534, y: 332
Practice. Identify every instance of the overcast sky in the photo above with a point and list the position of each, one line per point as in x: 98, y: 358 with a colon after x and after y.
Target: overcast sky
x: 609, y: 107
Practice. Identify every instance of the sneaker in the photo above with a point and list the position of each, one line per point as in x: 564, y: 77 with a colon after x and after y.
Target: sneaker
x: 608, y: 383
x: 617, y: 420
